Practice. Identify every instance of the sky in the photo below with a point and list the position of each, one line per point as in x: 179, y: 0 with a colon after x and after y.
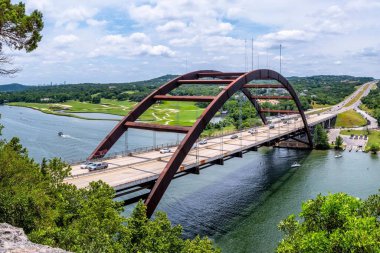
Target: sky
x: 106, y: 41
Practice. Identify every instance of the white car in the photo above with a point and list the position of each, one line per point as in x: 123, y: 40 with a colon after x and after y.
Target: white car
x: 252, y: 131
x: 85, y: 165
x: 203, y: 142
x: 165, y: 150
x: 271, y: 126
x: 97, y: 166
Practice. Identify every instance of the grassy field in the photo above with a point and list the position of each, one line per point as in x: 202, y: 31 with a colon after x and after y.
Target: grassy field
x: 107, y: 106
x: 317, y: 106
x: 173, y: 113
x: 357, y: 97
x: 350, y: 118
x: 167, y: 113
x: 373, y: 136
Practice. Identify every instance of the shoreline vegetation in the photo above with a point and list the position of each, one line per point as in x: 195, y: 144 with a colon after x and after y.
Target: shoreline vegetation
x: 350, y: 119
x: 167, y: 113
x: 35, y: 197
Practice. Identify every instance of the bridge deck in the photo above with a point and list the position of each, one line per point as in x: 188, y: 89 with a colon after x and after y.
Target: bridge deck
x: 139, y: 168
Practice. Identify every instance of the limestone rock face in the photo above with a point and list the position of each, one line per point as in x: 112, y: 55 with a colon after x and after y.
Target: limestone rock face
x: 14, y: 240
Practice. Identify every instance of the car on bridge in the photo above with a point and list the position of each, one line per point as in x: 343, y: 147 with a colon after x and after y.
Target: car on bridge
x: 252, y: 131
x: 234, y: 136
x: 85, y: 165
x: 271, y: 126
x: 203, y: 142
x: 165, y: 150
x: 97, y: 166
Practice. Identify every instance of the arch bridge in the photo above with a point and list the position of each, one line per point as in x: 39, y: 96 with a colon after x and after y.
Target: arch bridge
x: 230, y: 83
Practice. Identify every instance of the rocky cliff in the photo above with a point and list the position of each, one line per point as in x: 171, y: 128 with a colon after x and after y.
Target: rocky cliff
x: 14, y: 240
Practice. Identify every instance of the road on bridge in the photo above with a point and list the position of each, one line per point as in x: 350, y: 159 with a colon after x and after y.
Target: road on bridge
x: 138, y: 168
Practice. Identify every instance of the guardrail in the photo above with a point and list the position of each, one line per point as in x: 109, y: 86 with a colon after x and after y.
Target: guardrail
x: 156, y: 147
x: 124, y: 153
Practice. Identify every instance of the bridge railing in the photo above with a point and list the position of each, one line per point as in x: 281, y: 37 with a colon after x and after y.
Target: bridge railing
x: 123, y: 153
x: 129, y: 152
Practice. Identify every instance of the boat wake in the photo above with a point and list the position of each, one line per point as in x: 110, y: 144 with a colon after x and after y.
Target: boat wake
x: 69, y: 137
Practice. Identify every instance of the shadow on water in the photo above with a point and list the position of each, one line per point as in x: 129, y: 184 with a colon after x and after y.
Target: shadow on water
x: 210, y: 203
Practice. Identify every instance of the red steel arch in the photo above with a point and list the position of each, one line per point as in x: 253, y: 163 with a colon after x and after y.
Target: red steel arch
x: 234, y: 81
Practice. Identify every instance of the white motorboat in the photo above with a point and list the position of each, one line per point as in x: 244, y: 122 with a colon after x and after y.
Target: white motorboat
x: 338, y: 156
x: 295, y: 165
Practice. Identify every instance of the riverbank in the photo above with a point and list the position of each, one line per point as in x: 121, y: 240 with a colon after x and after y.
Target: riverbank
x: 239, y: 204
x: 255, y: 230
x: 166, y: 113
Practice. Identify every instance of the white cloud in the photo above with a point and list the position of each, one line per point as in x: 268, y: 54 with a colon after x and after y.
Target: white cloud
x: 74, y: 15
x: 95, y: 22
x: 136, y: 44
x: 153, y: 36
x: 288, y: 35
x: 64, y: 39
x: 172, y: 26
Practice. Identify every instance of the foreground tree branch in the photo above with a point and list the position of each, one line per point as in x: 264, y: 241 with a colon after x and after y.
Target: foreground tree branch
x: 6, y: 60
x: 18, y: 31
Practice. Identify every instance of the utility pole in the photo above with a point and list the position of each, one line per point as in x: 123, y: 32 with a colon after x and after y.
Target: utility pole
x: 186, y: 64
x: 258, y: 60
x: 280, y: 58
x: 245, y: 55
x: 252, y: 55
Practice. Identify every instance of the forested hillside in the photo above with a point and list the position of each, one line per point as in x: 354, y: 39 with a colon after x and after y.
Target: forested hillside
x: 321, y: 89
x: 372, y: 102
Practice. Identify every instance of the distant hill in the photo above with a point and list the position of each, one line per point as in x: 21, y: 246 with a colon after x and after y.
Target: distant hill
x: 13, y: 87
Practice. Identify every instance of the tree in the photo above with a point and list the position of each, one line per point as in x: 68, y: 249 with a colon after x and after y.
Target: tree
x: 1, y: 127
x: 96, y: 99
x: 18, y: 31
x: 34, y: 197
x: 338, y: 142
x: 320, y: 138
x: 333, y: 223
x: 374, y: 148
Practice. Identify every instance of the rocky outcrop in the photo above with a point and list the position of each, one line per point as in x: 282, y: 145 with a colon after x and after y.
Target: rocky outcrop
x: 14, y: 240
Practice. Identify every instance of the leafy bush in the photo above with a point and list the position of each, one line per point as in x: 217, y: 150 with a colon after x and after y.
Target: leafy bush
x: 34, y: 197
x: 333, y: 223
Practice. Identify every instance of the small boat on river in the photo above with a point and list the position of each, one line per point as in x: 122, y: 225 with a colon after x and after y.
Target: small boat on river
x: 295, y: 165
x: 338, y: 156
x: 60, y: 134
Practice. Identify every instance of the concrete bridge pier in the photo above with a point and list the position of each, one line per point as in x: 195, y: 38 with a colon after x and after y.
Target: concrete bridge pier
x: 300, y: 141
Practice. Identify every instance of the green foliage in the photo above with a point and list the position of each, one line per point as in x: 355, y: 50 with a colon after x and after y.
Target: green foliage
x: 326, y: 90
x: 1, y: 127
x: 96, y: 99
x: 18, y: 30
x: 350, y: 118
x: 374, y: 148
x: 338, y: 142
x: 320, y: 138
x: 333, y: 223
x: 372, y: 102
x: 34, y: 197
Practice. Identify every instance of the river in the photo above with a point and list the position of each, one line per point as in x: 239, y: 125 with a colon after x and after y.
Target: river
x: 239, y: 204
x: 39, y: 133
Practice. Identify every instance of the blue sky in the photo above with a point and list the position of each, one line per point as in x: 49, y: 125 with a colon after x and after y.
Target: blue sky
x: 119, y: 41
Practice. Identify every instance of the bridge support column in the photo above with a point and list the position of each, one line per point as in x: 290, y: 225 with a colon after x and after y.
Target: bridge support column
x: 238, y: 154
x: 219, y: 161
x: 195, y: 170
x: 253, y: 149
